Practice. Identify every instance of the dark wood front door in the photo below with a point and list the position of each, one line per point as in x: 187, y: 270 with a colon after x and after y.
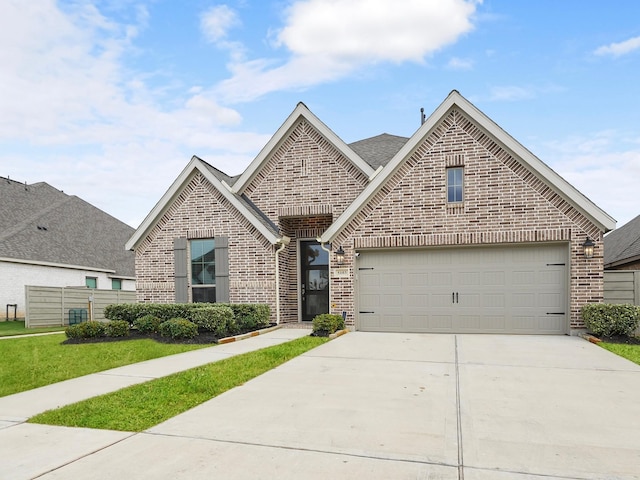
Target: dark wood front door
x: 314, y: 280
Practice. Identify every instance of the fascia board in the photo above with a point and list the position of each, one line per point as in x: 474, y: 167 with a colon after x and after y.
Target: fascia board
x: 283, y: 132
x: 225, y: 190
x: 379, y: 180
x: 158, y: 210
x: 561, y: 186
x: 177, y: 186
x: 58, y: 265
x: 546, y: 173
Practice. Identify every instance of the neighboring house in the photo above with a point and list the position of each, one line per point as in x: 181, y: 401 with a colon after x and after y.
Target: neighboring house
x: 456, y: 229
x: 48, y: 238
x: 622, y: 247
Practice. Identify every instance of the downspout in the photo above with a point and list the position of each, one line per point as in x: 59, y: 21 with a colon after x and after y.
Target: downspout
x: 283, y: 242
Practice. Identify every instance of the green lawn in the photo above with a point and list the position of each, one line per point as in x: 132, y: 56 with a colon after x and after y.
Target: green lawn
x: 142, y: 406
x: 17, y: 328
x: 31, y: 362
x: 630, y: 352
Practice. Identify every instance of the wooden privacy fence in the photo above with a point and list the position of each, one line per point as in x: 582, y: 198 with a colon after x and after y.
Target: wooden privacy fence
x: 49, y: 306
x: 622, y: 286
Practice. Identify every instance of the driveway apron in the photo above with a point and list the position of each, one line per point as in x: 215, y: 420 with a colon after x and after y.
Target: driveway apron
x: 414, y: 406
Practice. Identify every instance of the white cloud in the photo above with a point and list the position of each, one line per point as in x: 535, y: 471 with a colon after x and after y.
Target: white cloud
x: 329, y: 39
x: 217, y: 21
x: 75, y: 116
x: 604, y: 166
x: 456, y: 63
x: 620, y: 48
x: 511, y: 93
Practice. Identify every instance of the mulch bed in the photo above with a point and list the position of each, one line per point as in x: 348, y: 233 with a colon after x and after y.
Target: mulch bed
x: 203, y: 338
x: 621, y: 339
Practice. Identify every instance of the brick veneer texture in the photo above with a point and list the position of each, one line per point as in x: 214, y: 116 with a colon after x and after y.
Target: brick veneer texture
x: 306, y: 184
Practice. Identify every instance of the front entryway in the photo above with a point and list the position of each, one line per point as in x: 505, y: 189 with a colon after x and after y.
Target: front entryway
x: 314, y: 280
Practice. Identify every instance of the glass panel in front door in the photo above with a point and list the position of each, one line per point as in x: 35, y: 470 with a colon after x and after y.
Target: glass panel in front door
x: 314, y: 280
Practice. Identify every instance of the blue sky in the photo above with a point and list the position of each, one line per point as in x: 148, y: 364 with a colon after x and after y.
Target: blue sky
x: 109, y: 100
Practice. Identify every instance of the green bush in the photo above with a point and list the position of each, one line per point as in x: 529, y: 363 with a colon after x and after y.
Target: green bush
x: 250, y: 316
x: 326, y: 324
x: 90, y: 329
x: 178, y: 328
x: 116, y: 328
x: 607, y: 320
x: 147, y: 324
x: 216, y: 318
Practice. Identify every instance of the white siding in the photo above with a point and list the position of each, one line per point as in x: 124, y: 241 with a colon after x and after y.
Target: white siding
x: 15, y: 276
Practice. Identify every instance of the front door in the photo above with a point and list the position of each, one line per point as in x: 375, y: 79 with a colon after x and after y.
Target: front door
x: 314, y: 280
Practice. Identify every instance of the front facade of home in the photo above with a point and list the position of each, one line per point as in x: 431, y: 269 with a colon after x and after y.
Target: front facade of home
x: 456, y: 229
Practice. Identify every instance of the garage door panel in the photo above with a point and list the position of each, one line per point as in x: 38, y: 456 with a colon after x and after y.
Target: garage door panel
x: 477, y: 289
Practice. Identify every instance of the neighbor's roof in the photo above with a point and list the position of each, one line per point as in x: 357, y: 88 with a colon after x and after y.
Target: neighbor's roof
x: 40, y: 224
x: 623, y: 244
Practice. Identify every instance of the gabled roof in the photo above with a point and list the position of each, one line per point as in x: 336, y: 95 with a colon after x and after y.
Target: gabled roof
x: 455, y: 100
x: 379, y: 150
x: 42, y: 225
x: 217, y: 179
x: 623, y: 244
x: 282, y: 134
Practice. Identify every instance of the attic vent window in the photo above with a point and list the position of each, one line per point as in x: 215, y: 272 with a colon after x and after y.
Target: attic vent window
x: 304, y: 167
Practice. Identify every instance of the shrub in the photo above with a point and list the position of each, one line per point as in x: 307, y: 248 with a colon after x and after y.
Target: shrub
x: 250, y: 316
x: 90, y: 329
x: 326, y: 324
x: 178, y: 328
x: 147, y: 324
x: 607, y: 320
x: 216, y: 318
x: 116, y: 328
x: 127, y: 312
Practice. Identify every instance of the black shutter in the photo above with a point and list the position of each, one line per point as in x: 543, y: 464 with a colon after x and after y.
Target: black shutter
x: 181, y: 270
x: 222, y: 269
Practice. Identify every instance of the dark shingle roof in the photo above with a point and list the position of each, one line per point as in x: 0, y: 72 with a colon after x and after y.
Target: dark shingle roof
x: 42, y: 224
x: 378, y: 150
x: 220, y: 175
x: 623, y: 243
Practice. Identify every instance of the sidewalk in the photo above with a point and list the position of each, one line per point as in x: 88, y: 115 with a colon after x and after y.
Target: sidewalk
x: 17, y: 408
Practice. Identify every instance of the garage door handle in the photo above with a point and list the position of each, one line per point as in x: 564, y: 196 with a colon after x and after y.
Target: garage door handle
x: 361, y: 311
x: 555, y: 313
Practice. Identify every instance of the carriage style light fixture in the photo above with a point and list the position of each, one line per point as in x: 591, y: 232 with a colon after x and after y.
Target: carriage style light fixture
x: 340, y: 256
x: 587, y: 248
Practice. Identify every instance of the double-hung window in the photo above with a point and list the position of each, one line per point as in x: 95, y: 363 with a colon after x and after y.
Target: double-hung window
x: 455, y: 184
x: 203, y: 270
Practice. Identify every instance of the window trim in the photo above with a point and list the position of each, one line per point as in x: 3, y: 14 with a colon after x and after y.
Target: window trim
x: 453, y: 187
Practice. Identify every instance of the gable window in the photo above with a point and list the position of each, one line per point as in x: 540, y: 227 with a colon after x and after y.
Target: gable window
x: 116, y: 284
x: 91, y: 282
x: 203, y: 270
x: 455, y: 184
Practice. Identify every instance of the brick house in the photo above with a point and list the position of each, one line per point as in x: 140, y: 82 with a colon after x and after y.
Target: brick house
x: 456, y: 229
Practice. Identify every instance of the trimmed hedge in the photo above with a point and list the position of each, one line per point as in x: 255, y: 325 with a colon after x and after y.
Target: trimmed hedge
x: 247, y: 316
x: 89, y: 329
x: 326, y: 324
x: 147, y: 324
x: 116, y: 328
x: 216, y: 318
x: 608, y: 320
x: 178, y: 328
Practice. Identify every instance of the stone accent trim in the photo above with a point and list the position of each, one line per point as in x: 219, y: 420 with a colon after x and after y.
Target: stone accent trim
x: 305, y: 210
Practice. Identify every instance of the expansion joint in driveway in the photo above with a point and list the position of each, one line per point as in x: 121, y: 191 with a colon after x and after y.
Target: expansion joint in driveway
x: 458, y: 414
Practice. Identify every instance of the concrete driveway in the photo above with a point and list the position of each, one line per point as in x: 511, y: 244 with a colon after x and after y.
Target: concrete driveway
x: 379, y: 405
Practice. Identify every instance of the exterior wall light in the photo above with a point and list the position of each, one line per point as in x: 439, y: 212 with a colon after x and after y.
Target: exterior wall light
x: 340, y: 256
x: 587, y: 248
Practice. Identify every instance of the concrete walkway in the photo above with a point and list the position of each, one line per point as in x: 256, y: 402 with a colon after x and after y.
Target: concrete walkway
x: 379, y: 406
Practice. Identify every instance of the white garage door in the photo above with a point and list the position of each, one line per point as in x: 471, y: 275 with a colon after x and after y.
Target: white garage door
x: 464, y: 290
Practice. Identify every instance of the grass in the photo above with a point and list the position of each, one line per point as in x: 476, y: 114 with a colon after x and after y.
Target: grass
x: 142, y: 406
x: 630, y: 352
x: 17, y: 327
x: 32, y: 362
